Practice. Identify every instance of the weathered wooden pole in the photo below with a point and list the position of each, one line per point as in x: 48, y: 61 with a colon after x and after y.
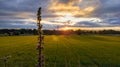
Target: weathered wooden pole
x: 40, y: 40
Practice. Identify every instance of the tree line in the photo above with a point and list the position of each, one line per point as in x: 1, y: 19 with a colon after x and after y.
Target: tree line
x: 12, y: 32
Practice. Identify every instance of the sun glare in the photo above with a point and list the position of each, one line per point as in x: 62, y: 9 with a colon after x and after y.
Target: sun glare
x: 68, y: 16
x: 65, y: 28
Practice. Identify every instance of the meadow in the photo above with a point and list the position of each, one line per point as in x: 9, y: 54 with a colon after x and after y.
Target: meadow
x: 62, y: 51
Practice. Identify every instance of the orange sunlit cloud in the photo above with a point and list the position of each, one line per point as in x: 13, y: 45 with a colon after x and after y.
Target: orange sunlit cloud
x: 61, y: 9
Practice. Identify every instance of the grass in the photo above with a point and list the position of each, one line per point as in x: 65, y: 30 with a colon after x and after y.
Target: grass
x: 74, y: 50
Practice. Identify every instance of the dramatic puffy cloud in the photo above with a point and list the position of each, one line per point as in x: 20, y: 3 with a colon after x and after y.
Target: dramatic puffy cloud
x: 61, y: 8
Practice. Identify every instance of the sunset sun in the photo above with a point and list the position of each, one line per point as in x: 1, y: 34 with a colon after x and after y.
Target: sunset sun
x: 65, y: 28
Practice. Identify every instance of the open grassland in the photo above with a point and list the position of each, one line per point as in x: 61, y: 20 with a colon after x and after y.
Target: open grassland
x: 61, y: 51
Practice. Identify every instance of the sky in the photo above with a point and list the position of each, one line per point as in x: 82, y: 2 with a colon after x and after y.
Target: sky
x: 60, y: 13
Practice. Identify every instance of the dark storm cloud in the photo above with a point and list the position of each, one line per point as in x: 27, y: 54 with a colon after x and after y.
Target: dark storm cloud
x: 16, y: 24
x: 86, y: 24
x: 115, y: 21
x: 22, y: 24
x: 109, y: 12
x: 10, y: 11
x: 108, y: 7
x: 22, y: 5
x: 12, y: 7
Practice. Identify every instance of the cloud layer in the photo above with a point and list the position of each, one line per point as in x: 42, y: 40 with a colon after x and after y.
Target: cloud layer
x: 22, y: 13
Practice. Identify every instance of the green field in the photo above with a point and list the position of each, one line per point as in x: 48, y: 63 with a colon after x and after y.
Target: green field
x: 61, y: 51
